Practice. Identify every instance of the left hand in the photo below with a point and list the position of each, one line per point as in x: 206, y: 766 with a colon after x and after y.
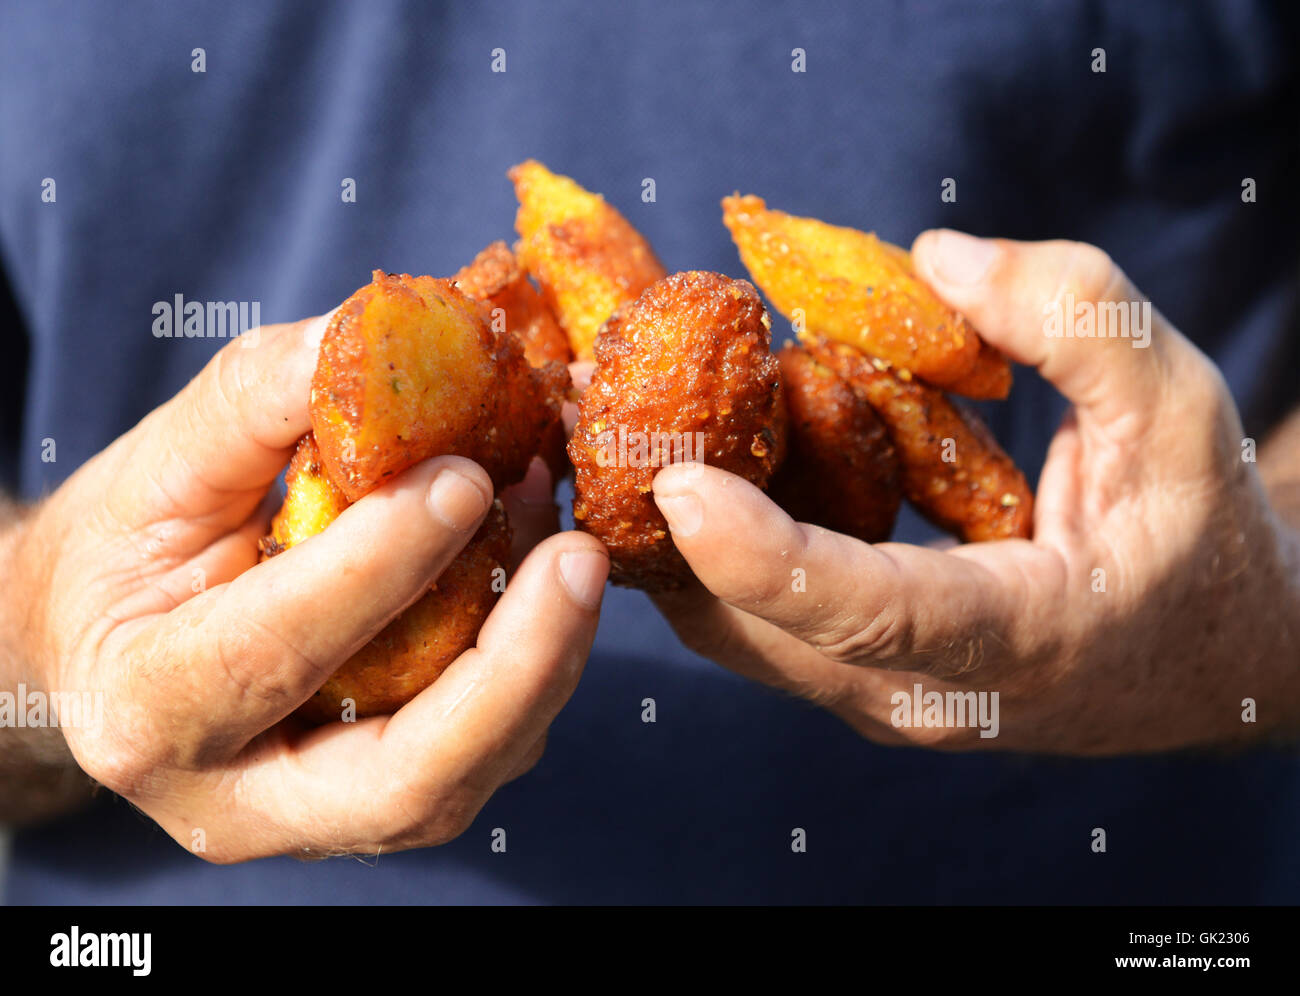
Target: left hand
x: 1159, y: 592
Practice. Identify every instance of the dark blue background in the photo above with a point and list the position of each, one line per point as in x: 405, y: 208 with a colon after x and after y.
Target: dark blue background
x: 225, y: 186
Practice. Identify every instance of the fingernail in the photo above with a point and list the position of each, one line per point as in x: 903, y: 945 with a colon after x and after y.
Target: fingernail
x: 583, y: 573
x: 685, y: 513
x: 961, y: 259
x: 456, y: 500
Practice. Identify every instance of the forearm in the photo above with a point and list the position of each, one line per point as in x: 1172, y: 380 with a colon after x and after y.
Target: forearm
x: 38, y: 777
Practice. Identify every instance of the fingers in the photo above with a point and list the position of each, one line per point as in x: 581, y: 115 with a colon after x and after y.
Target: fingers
x: 228, y: 433
x: 482, y: 721
x: 531, y: 510
x: 889, y: 604
x: 580, y: 375
x: 236, y: 659
x: 752, y: 647
x: 1065, y: 308
x: 420, y: 776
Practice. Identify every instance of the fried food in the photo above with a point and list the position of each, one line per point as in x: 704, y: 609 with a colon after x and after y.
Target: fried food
x: 683, y: 373
x: 408, y: 654
x: 496, y: 278
x: 953, y: 470
x: 409, y: 369
x: 856, y: 289
x: 585, y: 255
x: 311, y: 502
x: 842, y: 470
x: 988, y: 380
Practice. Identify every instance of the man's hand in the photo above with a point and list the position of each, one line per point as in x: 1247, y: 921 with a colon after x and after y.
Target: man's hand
x: 138, y: 582
x: 1160, y: 591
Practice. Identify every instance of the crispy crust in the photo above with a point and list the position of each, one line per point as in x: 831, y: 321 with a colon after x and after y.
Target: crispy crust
x: 988, y: 380
x: 408, y: 369
x: 496, y: 278
x: 856, y: 289
x: 980, y: 494
x: 842, y: 471
x: 586, y: 257
x: 311, y: 502
x: 690, y: 355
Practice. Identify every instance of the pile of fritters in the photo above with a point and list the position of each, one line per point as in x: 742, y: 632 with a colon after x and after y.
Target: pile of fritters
x: 839, y: 428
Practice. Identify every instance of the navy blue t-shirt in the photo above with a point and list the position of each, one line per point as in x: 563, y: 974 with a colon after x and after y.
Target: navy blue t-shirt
x: 226, y: 185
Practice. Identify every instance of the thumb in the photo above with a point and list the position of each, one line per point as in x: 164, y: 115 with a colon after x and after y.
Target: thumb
x: 1067, y: 309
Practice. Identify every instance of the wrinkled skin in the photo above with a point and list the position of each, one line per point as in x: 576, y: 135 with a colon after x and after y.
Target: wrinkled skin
x: 586, y: 257
x: 978, y: 494
x: 408, y: 654
x: 690, y: 355
x: 842, y: 471
x: 856, y: 289
x: 139, y: 578
x: 409, y: 368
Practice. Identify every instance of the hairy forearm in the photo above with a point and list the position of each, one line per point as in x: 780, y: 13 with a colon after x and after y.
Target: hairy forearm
x: 38, y: 777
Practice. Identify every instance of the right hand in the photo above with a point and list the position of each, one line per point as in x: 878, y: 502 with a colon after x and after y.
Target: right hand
x: 195, y: 684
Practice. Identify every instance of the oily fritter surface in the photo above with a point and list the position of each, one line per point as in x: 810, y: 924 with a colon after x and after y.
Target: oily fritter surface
x: 980, y: 494
x: 842, y: 470
x: 988, y: 380
x: 409, y: 368
x: 496, y: 278
x: 856, y: 289
x: 690, y: 356
x: 408, y: 654
x: 586, y: 257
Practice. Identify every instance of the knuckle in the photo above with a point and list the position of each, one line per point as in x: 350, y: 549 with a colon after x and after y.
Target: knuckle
x: 884, y: 637
x: 1091, y: 274
x: 125, y: 768
x: 240, y: 650
x: 450, y: 823
x: 766, y: 597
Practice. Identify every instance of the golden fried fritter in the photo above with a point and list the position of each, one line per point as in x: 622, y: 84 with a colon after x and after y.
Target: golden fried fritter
x: 408, y: 654
x: 586, y: 257
x: 954, y: 472
x: 683, y: 373
x: 409, y: 369
x: 856, y: 289
x: 495, y: 278
x: 988, y: 380
x: 312, y: 501
x: 841, y: 471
